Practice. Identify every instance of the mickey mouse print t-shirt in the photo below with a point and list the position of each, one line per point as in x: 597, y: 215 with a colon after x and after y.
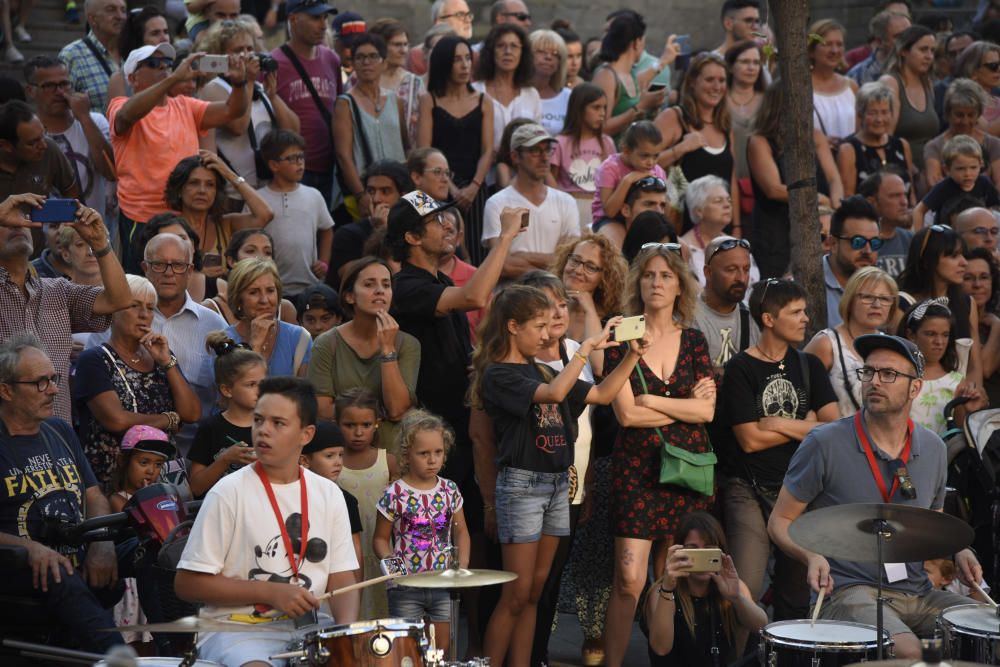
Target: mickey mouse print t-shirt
x: 531, y: 436
x: 236, y: 534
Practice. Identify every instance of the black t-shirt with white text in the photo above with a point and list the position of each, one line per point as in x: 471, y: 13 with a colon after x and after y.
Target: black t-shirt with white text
x: 530, y: 436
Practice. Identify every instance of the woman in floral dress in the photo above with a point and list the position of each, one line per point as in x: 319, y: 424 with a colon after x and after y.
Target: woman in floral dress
x: 645, y: 512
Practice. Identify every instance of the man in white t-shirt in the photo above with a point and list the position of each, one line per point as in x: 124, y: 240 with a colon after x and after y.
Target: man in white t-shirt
x: 552, y: 215
x: 236, y: 561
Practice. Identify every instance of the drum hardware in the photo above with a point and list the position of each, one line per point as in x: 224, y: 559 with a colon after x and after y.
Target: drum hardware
x: 970, y: 632
x: 46, y: 652
x: 799, y: 644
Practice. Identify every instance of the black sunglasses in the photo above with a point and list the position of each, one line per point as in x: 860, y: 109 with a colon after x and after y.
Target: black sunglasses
x: 993, y: 67
x: 647, y: 184
x: 156, y: 62
x: 520, y: 16
x: 728, y: 244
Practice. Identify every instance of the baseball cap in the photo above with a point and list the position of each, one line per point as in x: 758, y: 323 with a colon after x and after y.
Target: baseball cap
x: 147, y: 51
x: 349, y: 24
x: 319, y: 296
x: 147, y: 439
x: 310, y: 7
x: 408, y: 214
x: 529, y: 135
x: 868, y: 343
x: 328, y: 434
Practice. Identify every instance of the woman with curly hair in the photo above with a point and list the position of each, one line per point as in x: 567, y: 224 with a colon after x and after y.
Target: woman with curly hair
x: 504, y: 73
x: 593, y: 271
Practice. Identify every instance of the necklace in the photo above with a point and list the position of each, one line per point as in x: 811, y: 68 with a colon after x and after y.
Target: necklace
x: 780, y: 362
x: 132, y: 360
x: 697, y: 236
x: 742, y: 105
x: 374, y: 100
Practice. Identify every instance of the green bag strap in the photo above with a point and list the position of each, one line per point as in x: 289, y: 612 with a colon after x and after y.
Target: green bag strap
x: 663, y: 441
x: 645, y: 390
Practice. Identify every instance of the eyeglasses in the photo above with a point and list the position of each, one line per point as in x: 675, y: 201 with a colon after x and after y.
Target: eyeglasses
x: 546, y: 52
x: 156, y: 62
x: 991, y: 66
x: 539, y: 149
x: 179, y: 268
x: 294, y: 157
x: 881, y: 299
x: 885, y: 375
x: 42, y: 384
x: 461, y: 16
x: 53, y: 86
x: 986, y: 231
x: 589, y: 268
x: 366, y: 58
x: 520, y: 16
x: 933, y: 228
x: 440, y: 172
x: 513, y: 47
x: 669, y: 247
x: 858, y: 241
x: 728, y: 244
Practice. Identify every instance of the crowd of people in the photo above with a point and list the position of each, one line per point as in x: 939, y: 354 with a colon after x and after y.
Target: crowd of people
x: 388, y: 284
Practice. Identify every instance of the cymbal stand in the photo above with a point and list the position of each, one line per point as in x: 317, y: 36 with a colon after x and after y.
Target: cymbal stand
x: 882, y: 531
x: 454, y: 597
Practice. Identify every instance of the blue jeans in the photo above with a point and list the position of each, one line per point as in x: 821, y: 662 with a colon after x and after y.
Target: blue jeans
x: 417, y: 603
x: 530, y: 504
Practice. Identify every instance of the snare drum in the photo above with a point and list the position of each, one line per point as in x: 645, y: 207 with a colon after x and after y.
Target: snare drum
x: 828, y: 644
x: 163, y: 662
x: 387, y: 642
x: 971, y: 632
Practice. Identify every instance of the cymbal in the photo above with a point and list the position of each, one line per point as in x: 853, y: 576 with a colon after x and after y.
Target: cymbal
x: 190, y: 624
x: 461, y: 578
x: 904, y: 662
x: 846, y: 532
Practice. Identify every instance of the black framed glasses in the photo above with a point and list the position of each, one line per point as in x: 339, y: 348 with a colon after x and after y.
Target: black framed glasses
x: 366, y: 58
x: 669, y: 247
x: 881, y: 299
x: 520, y: 16
x: 858, y: 241
x: 885, y: 375
x: 175, y: 267
x: 993, y: 66
x: 590, y: 268
x: 728, y: 244
x: 42, y: 384
x: 53, y: 86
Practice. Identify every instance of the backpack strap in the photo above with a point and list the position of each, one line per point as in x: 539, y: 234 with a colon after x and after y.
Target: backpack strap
x: 804, y: 363
x: 744, y: 327
x: 843, y: 367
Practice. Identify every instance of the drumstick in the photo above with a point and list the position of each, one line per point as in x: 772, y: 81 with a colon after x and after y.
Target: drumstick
x: 979, y: 589
x: 819, y: 603
x: 360, y: 584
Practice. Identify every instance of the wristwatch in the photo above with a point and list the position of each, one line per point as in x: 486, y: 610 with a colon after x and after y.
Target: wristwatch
x: 387, y: 358
x: 170, y: 364
x: 239, y: 180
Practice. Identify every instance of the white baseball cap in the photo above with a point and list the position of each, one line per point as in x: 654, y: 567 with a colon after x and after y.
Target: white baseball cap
x: 146, y: 51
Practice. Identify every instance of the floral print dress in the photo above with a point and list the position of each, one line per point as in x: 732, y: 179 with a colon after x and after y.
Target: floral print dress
x: 643, y: 508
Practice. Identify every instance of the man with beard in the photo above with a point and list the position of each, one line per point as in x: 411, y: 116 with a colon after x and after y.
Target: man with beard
x: 886, y: 191
x: 857, y: 460
x: 720, y: 313
x: 854, y: 243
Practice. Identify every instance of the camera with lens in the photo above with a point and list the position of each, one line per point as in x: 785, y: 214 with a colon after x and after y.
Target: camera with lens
x: 267, y: 63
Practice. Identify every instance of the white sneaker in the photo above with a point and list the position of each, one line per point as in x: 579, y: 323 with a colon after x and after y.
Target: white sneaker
x: 13, y: 55
x: 21, y: 34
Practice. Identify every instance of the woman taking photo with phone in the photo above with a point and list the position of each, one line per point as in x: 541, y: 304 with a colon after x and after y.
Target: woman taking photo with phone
x: 669, y: 399
x: 693, y: 612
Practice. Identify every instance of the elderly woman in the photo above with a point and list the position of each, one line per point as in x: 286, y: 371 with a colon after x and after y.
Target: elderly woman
x: 238, y: 140
x: 964, y: 104
x: 872, y: 148
x: 980, y: 61
x: 130, y: 380
x: 593, y: 271
x: 78, y: 256
x: 549, y: 79
x: 868, y: 306
x: 196, y: 190
x: 711, y: 207
x: 254, y: 288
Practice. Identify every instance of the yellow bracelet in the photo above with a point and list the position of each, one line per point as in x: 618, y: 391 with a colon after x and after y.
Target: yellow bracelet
x: 580, y: 357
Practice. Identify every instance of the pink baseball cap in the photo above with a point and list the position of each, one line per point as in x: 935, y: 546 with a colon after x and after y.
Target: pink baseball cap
x: 144, y: 438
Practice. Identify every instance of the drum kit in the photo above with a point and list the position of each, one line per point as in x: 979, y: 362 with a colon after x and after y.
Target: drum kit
x: 880, y: 533
x: 388, y: 642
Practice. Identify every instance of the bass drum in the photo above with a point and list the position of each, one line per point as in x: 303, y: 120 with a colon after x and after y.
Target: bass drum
x: 971, y: 632
x: 827, y: 644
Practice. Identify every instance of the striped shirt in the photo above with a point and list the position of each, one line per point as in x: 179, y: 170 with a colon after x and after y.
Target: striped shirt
x: 53, y: 310
x: 87, y: 72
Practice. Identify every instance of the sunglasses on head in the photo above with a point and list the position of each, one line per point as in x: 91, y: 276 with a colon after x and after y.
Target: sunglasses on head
x: 669, y: 247
x: 930, y: 230
x: 858, y: 241
x: 647, y: 184
x: 728, y: 244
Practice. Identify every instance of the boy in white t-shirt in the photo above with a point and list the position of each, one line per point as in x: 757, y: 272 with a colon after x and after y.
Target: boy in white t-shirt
x: 236, y: 561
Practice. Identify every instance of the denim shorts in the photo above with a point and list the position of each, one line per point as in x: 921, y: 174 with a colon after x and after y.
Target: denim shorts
x: 417, y: 603
x: 530, y: 504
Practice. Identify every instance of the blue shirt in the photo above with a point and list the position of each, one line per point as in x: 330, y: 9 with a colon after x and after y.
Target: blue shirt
x: 282, y: 361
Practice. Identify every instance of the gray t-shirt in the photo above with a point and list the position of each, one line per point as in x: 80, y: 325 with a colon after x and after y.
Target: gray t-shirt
x: 892, y: 254
x: 830, y: 468
x: 298, y: 216
x: 723, y: 332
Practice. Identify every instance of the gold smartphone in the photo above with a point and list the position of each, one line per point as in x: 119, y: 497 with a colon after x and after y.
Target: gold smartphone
x: 704, y: 560
x: 631, y: 328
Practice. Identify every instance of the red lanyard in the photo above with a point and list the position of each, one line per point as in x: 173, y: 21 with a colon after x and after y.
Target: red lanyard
x: 304, y: 501
x: 876, y: 470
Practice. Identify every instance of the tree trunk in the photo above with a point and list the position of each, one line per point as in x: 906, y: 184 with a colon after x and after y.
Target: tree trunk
x: 790, y: 19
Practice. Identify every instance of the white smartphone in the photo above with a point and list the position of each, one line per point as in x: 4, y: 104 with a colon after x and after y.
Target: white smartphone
x: 213, y: 64
x: 631, y: 328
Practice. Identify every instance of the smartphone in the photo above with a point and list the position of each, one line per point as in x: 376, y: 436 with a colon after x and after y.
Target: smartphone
x: 55, y: 210
x: 392, y: 565
x: 631, y: 328
x: 210, y: 260
x: 525, y: 217
x: 656, y: 87
x: 214, y: 64
x: 704, y: 560
x: 683, y: 42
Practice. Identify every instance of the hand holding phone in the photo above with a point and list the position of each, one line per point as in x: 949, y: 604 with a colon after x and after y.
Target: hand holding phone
x: 702, y: 560
x: 55, y: 210
x: 212, y: 64
x: 630, y: 328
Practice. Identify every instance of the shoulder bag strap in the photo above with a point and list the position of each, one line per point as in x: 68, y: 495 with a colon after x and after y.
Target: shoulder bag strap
x: 300, y: 350
x: 323, y: 111
x: 88, y: 40
x: 121, y: 374
x: 366, y: 151
x: 843, y: 367
x: 744, y: 327
x: 645, y: 390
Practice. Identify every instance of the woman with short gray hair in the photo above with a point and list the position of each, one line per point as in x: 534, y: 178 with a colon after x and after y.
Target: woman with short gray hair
x: 872, y: 148
x: 964, y: 105
x: 711, y: 207
x: 980, y: 61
